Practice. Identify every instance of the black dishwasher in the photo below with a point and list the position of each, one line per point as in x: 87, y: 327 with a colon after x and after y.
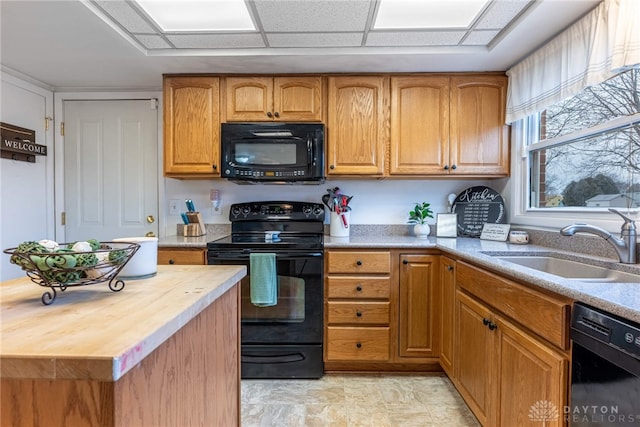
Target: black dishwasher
x: 605, y: 372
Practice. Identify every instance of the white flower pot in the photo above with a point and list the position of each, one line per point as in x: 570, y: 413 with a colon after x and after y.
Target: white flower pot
x: 421, y: 230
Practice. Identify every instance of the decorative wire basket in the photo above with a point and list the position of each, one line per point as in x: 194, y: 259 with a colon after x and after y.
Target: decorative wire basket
x: 65, y: 268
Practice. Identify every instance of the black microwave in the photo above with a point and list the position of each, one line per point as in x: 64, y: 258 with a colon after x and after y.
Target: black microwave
x: 273, y: 152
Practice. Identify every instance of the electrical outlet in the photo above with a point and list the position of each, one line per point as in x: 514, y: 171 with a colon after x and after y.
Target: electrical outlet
x: 217, y: 209
x: 174, y: 207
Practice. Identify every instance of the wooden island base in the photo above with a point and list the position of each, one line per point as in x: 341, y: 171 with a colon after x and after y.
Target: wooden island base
x: 191, y: 379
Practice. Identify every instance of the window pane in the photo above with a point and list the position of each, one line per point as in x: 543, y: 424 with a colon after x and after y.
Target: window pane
x: 599, y: 171
x: 616, y: 97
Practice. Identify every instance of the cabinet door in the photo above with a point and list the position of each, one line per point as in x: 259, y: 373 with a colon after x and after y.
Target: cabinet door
x: 416, y: 305
x: 356, y: 125
x: 532, y: 379
x: 474, y: 357
x: 419, y: 125
x: 249, y: 98
x: 297, y: 99
x: 479, y: 138
x: 191, y: 127
x: 447, y: 293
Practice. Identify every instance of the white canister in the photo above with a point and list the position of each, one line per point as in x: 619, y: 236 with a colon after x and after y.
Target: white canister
x: 143, y: 263
x: 519, y: 237
x: 340, y: 224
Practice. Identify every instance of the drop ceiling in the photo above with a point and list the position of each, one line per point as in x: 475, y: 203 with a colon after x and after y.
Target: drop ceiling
x: 115, y: 45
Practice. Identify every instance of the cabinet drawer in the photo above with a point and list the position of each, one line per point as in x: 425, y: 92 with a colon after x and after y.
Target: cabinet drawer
x: 358, y: 262
x: 358, y: 287
x: 353, y: 343
x: 363, y: 313
x: 541, y: 313
x: 181, y: 256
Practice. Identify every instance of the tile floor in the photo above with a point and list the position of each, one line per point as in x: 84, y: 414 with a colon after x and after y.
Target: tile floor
x: 355, y: 400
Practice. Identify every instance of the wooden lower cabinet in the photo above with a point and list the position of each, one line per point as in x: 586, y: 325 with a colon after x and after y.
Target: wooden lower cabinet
x: 182, y: 256
x: 417, y: 306
x: 447, y: 293
x: 505, y: 372
x: 381, y: 310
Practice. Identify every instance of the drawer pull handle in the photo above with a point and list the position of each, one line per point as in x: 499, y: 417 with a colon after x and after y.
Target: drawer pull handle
x: 171, y: 261
x: 359, y: 288
x: 358, y: 313
x: 485, y: 321
x: 359, y: 345
x: 358, y: 262
x: 492, y: 326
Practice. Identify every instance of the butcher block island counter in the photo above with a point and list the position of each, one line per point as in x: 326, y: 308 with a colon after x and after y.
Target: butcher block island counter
x: 164, y: 351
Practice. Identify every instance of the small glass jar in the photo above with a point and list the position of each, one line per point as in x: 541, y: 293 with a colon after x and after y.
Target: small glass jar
x: 519, y: 237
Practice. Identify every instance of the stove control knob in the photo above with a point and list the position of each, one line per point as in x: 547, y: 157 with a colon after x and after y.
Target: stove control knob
x: 318, y: 211
x: 235, y: 211
x: 246, y: 210
x: 306, y: 210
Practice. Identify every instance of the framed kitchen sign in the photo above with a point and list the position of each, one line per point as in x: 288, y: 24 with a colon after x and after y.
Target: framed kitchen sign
x: 477, y: 206
x: 19, y: 144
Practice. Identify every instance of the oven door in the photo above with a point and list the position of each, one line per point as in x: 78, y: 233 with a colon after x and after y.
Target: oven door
x: 298, y: 315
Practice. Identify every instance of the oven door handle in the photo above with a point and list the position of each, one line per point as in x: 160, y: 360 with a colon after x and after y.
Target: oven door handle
x: 279, y: 255
x: 280, y: 358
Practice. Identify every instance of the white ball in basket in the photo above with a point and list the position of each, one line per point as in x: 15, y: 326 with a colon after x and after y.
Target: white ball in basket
x: 81, y: 247
x: 50, y: 245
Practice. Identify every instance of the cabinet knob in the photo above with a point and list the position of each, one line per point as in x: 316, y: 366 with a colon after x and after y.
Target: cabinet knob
x: 454, y: 167
x: 492, y: 326
x: 446, y: 167
x: 485, y: 321
x: 171, y: 261
x: 358, y: 314
x: 450, y: 267
x: 404, y: 261
x: 332, y: 167
x: 277, y: 114
x: 215, y: 167
x: 359, y: 345
x: 269, y: 114
x: 358, y: 262
x: 359, y: 288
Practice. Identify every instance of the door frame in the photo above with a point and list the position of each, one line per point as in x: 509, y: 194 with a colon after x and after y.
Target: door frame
x: 59, y: 99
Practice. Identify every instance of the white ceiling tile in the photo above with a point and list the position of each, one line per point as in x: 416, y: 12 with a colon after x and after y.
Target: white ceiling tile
x: 481, y: 38
x: 415, y: 38
x: 314, y: 39
x: 126, y: 16
x: 500, y: 13
x: 313, y: 15
x: 152, y: 41
x: 216, y: 41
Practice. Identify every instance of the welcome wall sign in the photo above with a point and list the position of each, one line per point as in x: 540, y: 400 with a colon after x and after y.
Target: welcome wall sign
x: 19, y: 144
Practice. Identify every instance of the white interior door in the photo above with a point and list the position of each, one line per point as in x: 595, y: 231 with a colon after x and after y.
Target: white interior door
x: 110, y: 169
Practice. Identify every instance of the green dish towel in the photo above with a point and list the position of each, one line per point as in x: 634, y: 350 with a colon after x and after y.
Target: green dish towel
x: 264, y: 279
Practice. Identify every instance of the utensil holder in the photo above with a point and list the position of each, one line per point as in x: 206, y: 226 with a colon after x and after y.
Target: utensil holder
x: 336, y: 227
x: 195, y: 227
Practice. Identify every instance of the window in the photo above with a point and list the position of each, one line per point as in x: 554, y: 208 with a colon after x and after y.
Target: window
x: 584, y: 152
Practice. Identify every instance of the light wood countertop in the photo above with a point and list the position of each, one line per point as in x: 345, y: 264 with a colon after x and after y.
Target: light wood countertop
x: 91, y: 332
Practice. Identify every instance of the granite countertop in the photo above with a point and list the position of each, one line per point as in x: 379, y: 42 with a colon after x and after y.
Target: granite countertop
x: 92, y: 333
x: 622, y: 299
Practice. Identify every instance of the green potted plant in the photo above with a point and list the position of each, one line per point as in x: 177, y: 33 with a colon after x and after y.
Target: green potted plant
x: 418, y: 216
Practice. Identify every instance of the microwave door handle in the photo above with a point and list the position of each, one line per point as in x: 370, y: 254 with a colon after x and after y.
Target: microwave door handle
x: 310, y: 159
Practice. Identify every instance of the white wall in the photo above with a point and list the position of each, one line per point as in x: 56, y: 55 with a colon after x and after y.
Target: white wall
x: 26, y: 189
x: 374, y: 201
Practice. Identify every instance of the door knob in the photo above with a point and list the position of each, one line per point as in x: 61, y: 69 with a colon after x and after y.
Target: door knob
x: 150, y: 219
x: 150, y: 234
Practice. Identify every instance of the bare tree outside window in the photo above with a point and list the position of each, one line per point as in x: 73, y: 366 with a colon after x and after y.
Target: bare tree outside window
x: 596, y: 160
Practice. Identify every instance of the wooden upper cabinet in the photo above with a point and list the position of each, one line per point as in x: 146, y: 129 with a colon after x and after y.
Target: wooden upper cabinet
x: 419, y: 125
x: 479, y: 138
x: 357, y: 120
x: 191, y: 127
x: 291, y: 99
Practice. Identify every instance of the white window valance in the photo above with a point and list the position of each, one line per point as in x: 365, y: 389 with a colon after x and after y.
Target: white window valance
x: 600, y: 45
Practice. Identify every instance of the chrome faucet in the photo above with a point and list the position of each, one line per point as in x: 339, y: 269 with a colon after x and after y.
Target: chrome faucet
x: 625, y: 245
